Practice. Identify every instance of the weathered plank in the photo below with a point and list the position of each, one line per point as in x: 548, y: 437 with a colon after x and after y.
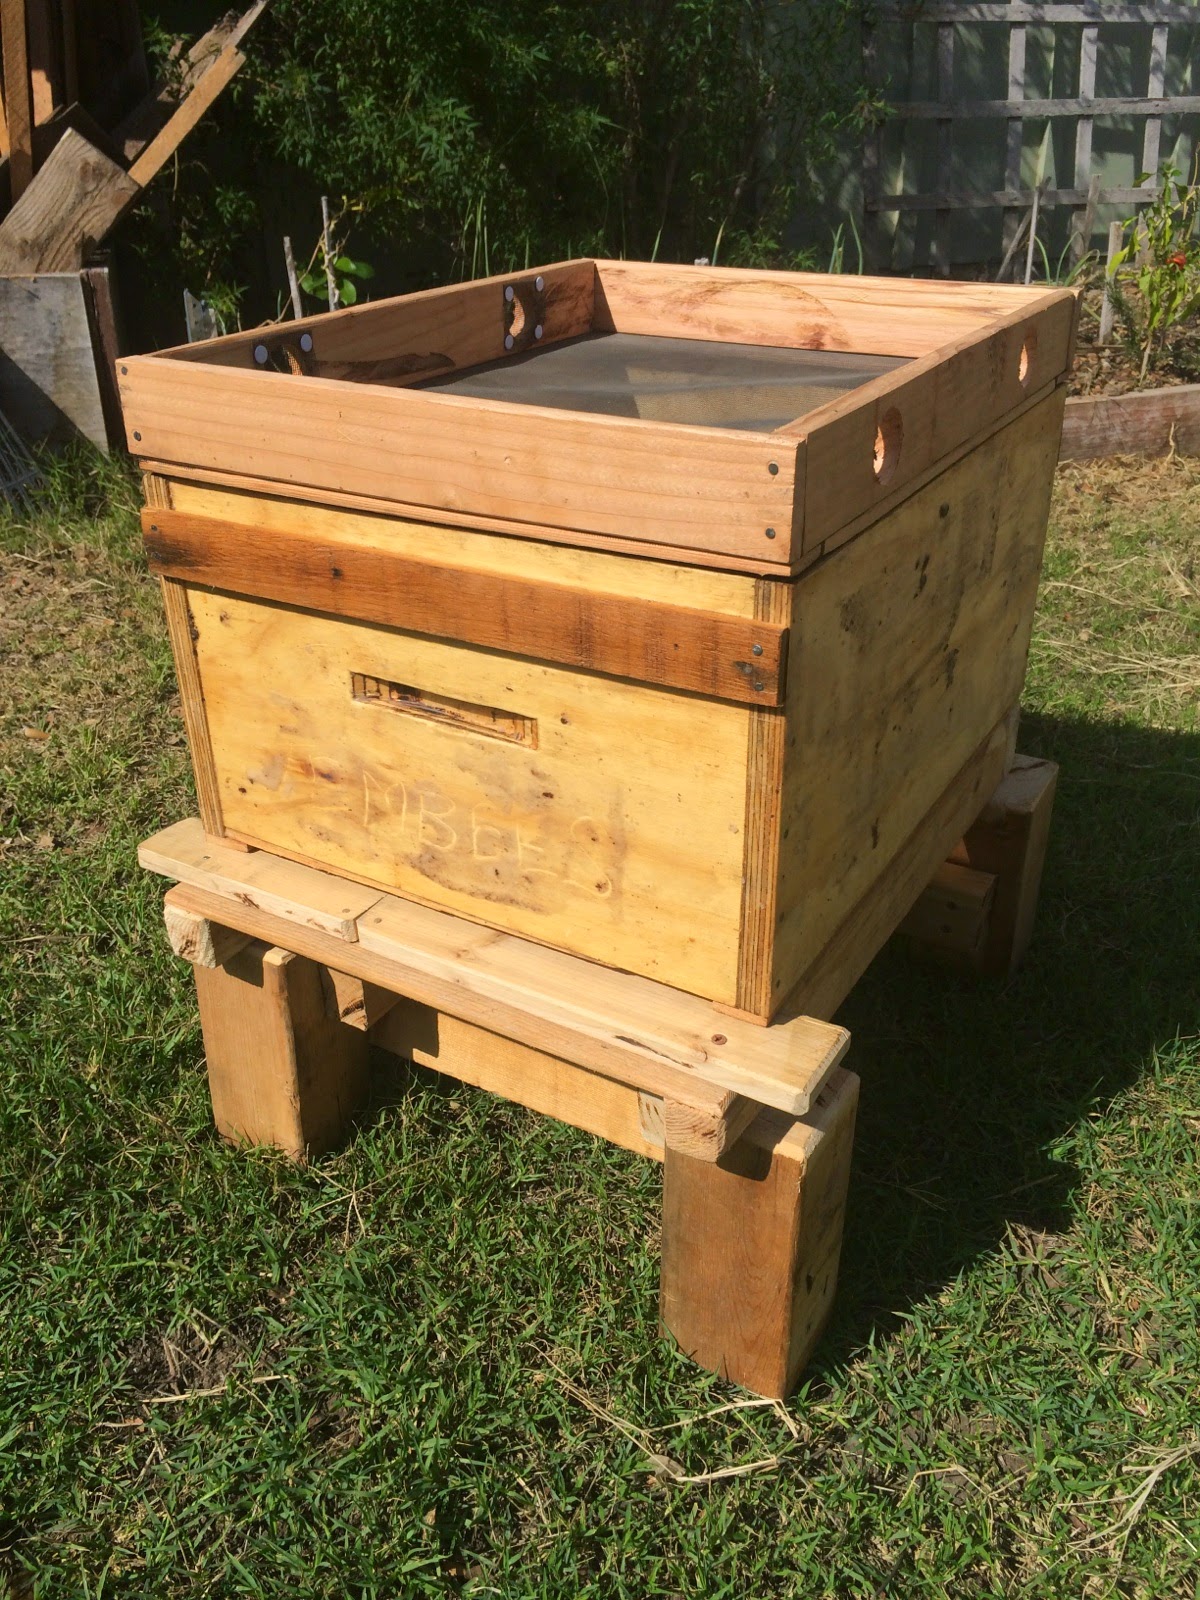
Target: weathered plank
x: 1151, y: 423
x: 75, y: 199
x: 362, y: 577
x: 751, y: 1245
x: 49, y: 382
x: 18, y: 99
x: 643, y: 1033
x: 194, y: 938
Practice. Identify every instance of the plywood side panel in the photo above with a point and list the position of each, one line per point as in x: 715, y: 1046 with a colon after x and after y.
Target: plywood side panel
x: 807, y: 311
x: 909, y: 644
x: 666, y: 483
x: 606, y: 820
x: 705, y: 588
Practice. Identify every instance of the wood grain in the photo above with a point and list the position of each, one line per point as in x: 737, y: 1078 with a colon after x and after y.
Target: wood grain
x: 74, y: 201
x: 544, y: 1083
x: 18, y: 99
x: 49, y: 384
x: 713, y: 1108
x: 615, y: 831
x: 751, y: 1244
x: 1149, y: 424
x: 198, y: 101
x: 808, y: 311
x: 661, y: 483
x: 194, y: 938
x: 643, y: 1033
x: 365, y: 579
x: 280, y: 1072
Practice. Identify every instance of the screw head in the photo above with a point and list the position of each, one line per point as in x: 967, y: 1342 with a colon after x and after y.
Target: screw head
x: 537, y: 332
x: 756, y: 649
x: 719, y: 1038
x: 509, y: 341
x: 770, y: 533
x: 758, y: 686
x: 773, y: 468
x: 137, y: 436
x: 539, y: 283
x: 124, y: 372
x: 306, y: 342
x: 508, y: 293
x: 261, y: 354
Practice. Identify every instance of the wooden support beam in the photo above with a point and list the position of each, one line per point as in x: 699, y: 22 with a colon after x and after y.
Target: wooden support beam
x: 352, y: 1001
x: 194, y: 938
x: 18, y: 96
x: 952, y: 916
x: 751, y: 1243
x: 1009, y: 841
x: 281, y: 1071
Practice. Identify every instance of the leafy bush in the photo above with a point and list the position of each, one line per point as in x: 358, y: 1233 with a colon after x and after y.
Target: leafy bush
x: 482, y: 136
x: 1154, y: 280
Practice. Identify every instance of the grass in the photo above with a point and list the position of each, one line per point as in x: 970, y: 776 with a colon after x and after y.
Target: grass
x: 429, y: 1365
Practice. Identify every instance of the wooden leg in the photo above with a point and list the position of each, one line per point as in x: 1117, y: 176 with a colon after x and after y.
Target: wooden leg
x: 1009, y: 841
x: 751, y: 1242
x: 281, y: 1070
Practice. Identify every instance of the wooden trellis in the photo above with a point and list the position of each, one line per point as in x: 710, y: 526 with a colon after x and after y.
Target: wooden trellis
x: 1085, y: 193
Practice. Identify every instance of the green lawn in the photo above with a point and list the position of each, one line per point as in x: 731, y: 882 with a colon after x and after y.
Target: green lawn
x: 429, y: 1365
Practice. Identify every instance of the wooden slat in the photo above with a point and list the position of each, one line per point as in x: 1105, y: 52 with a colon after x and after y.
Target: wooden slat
x: 945, y: 145
x: 717, y: 1113
x: 641, y: 1032
x: 1083, y: 106
x: 963, y: 200
x: 18, y: 97
x: 813, y: 311
x: 1155, y: 82
x: 72, y: 203
x: 295, y: 894
x: 1015, y: 134
x: 544, y: 1083
x: 1035, y: 11
x: 726, y: 657
x: 412, y: 337
x: 1152, y: 423
x: 926, y: 410
x: 1084, y: 177
x: 664, y: 483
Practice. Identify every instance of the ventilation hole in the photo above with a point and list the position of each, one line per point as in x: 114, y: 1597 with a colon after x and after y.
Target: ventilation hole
x: 889, y: 435
x: 1026, y: 359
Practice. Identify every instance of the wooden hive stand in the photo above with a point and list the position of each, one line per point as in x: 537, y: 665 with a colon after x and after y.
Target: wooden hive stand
x: 298, y: 971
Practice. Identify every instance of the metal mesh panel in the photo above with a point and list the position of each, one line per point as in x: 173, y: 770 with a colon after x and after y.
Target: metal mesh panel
x: 672, y: 380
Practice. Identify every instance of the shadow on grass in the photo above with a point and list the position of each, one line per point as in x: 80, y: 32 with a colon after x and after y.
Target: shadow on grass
x: 968, y: 1084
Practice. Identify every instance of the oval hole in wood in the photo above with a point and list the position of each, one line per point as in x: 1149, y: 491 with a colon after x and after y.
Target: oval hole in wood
x: 889, y: 434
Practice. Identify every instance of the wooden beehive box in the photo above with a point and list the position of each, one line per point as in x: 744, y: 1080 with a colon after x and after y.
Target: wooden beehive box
x: 670, y: 616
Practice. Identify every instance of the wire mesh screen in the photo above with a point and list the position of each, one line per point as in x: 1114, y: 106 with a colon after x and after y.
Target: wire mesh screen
x: 672, y: 380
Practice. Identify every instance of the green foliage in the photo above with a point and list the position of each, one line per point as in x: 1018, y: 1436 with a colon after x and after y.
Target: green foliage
x: 1154, y: 280
x: 484, y: 136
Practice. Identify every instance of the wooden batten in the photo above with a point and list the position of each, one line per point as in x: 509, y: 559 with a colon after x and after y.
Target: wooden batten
x: 647, y: 641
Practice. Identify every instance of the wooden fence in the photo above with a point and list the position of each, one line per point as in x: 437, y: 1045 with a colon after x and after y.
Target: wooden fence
x: 1011, y: 193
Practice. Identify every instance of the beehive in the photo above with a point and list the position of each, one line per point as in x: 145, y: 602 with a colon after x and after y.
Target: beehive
x: 673, y: 617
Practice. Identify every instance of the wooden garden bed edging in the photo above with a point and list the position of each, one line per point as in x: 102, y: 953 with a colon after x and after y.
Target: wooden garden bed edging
x: 1132, y: 424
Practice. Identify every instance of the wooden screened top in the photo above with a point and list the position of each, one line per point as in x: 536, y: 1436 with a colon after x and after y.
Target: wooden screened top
x: 732, y: 418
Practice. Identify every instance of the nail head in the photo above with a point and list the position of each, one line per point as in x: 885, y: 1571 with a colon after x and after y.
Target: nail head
x: 261, y: 354
x: 756, y: 649
x: 770, y: 533
x: 537, y: 332
x: 306, y: 342
x: 509, y: 341
x: 539, y: 283
x: 772, y: 467
x: 137, y: 436
x: 508, y: 292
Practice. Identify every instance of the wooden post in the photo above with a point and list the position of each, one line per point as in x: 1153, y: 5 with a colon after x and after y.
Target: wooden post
x: 1009, y: 841
x: 18, y: 96
x: 751, y: 1242
x: 281, y: 1071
